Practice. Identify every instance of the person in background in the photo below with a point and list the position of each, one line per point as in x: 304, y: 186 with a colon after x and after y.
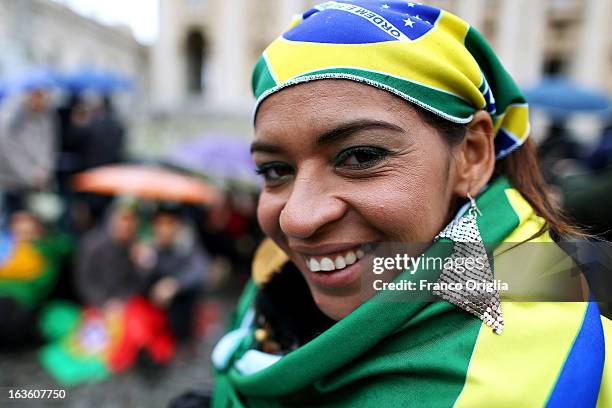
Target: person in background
x: 27, y: 149
x: 106, y: 275
x: 31, y: 258
x: 601, y: 157
x: 176, y: 266
x: 107, y: 140
x: 103, y: 145
x: 73, y: 119
x: 586, y: 195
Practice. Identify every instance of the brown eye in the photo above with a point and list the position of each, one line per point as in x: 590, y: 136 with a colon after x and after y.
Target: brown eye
x: 275, y: 172
x: 360, y: 157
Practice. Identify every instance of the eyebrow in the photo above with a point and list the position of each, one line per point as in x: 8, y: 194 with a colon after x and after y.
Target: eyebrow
x: 338, y: 133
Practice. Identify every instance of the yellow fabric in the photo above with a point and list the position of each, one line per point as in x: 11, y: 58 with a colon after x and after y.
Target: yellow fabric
x: 604, y: 400
x: 497, y: 376
x: 517, y: 122
x: 455, y: 73
x: 24, y: 265
x: 268, y: 260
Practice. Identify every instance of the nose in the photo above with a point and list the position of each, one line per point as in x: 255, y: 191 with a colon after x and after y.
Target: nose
x: 310, y: 207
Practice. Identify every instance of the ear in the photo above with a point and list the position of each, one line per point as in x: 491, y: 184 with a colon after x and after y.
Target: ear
x: 475, y: 156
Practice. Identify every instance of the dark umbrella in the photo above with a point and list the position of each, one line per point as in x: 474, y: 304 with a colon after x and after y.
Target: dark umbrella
x: 223, y: 158
x: 560, y: 96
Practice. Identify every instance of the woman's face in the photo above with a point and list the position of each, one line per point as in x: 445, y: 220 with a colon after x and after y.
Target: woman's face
x: 345, y: 165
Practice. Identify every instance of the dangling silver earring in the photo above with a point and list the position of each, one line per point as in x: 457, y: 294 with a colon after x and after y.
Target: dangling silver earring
x: 473, y: 207
x: 467, y: 243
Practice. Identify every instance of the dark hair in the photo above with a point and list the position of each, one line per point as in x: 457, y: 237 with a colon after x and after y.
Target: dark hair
x: 522, y: 168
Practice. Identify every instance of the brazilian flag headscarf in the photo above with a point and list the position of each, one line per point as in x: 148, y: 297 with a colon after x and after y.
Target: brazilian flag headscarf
x: 417, y: 353
x: 420, y: 53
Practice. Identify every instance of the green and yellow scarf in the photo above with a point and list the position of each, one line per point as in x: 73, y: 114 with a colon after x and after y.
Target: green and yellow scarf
x: 430, y: 354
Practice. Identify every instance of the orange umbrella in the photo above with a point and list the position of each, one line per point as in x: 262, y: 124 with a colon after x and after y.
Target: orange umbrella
x: 148, y: 182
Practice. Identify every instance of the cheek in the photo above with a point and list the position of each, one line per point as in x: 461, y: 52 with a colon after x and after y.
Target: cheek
x: 410, y: 203
x: 268, y: 213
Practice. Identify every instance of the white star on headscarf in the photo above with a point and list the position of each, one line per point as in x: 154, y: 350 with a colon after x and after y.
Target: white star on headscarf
x: 410, y: 4
x: 385, y: 6
x: 408, y: 22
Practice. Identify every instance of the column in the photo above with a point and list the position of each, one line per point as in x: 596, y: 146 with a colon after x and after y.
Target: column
x: 591, y: 64
x: 229, y: 87
x: 287, y: 9
x: 168, y: 78
x: 532, y: 48
x: 521, y: 31
x: 472, y: 11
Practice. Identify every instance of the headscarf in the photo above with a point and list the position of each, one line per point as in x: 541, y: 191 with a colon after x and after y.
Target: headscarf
x: 420, y: 53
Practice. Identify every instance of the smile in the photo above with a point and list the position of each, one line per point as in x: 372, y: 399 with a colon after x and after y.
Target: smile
x: 336, y: 260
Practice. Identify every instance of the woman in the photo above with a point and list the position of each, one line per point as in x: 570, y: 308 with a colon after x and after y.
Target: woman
x: 379, y: 122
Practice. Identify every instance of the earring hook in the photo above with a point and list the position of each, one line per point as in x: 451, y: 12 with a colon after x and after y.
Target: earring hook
x: 474, y: 207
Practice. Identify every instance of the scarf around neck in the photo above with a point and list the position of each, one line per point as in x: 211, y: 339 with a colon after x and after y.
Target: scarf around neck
x: 429, y: 354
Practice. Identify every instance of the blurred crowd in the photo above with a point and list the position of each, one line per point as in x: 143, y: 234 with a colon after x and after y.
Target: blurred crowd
x: 101, y: 251
x: 582, y: 173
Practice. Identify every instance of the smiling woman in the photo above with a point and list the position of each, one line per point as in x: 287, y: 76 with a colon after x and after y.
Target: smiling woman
x: 380, y: 122
x: 336, y: 181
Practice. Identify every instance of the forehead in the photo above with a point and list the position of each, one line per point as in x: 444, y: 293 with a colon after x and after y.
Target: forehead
x: 326, y: 102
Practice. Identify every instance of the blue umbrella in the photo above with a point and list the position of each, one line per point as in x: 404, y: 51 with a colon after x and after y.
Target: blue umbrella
x: 40, y: 78
x: 224, y: 158
x: 7, y: 244
x: 3, y: 92
x: 560, y: 96
x: 98, y: 80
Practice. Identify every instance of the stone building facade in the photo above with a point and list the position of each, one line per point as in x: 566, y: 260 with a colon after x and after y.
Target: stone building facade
x: 48, y: 33
x: 207, y: 48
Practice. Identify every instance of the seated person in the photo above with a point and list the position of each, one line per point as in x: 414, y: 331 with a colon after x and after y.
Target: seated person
x: 30, y: 262
x: 106, y: 274
x: 176, y: 266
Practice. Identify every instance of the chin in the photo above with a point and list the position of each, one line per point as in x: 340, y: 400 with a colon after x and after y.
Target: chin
x: 337, y: 307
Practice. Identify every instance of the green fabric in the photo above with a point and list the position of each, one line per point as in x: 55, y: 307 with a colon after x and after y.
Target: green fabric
x: 506, y: 90
x: 69, y: 369
x: 262, y: 78
x: 382, y: 353
x: 60, y: 322
x: 54, y: 249
x: 58, y: 319
x: 441, y: 101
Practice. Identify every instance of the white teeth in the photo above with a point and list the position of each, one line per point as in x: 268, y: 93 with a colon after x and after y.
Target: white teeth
x: 327, y: 265
x: 313, y: 265
x: 340, y: 262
